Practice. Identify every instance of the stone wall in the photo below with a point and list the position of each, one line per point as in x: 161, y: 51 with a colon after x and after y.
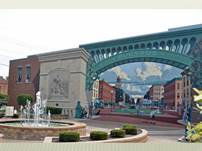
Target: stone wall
x: 62, y: 78
x: 38, y: 133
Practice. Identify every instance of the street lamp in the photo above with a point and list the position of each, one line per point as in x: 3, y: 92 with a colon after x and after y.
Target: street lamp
x: 111, y: 98
x: 90, y: 101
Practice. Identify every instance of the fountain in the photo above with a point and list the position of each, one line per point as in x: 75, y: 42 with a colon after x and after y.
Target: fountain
x: 40, y: 116
x: 36, y: 123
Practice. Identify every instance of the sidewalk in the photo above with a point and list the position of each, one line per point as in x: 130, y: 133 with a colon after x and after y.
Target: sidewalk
x: 107, y: 115
x: 134, y: 120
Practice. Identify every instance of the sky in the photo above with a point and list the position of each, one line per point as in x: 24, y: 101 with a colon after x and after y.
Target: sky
x: 27, y: 32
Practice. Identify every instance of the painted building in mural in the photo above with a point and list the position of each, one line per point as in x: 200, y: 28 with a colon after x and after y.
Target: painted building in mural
x: 186, y: 88
x: 107, y: 92
x: 187, y: 99
x: 173, y: 94
x: 95, y: 90
x: 156, y: 92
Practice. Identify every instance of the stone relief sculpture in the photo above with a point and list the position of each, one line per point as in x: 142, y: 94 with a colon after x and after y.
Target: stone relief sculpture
x: 58, y: 84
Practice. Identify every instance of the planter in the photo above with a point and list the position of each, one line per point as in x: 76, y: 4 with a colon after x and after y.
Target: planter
x: 140, y: 138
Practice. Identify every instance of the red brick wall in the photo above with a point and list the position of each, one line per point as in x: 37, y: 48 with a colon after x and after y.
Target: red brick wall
x: 15, y: 88
x: 3, y: 86
x: 173, y: 94
x: 169, y: 95
x: 105, y: 92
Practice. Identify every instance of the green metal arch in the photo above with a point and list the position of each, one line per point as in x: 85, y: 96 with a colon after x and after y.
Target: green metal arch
x: 143, y: 55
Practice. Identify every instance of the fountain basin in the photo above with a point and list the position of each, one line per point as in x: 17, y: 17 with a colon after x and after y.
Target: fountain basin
x: 12, y: 129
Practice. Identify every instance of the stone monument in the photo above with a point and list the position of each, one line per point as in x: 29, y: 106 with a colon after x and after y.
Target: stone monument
x: 62, y: 78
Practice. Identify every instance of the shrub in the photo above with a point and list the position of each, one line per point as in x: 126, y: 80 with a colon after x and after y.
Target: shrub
x: 117, y: 133
x: 15, y: 115
x: 130, y: 129
x: 54, y: 110
x: 22, y: 99
x: 198, y: 128
x: 3, y: 97
x: 98, y: 135
x: 69, y: 137
x: 195, y: 138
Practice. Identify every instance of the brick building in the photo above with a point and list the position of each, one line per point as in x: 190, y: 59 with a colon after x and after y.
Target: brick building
x: 156, y: 92
x: 186, y: 88
x: 187, y: 99
x: 95, y: 90
x: 23, y: 78
x: 106, y: 92
x: 3, y: 86
x: 173, y: 94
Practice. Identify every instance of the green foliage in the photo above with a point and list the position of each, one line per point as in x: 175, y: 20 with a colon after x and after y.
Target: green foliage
x: 69, y: 137
x: 3, y: 97
x: 54, y: 110
x: 15, y: 115
x: 198, y: 128
x: 194, y: 133
x: 117, y: 133
x: 22, y: 99
x: 98, y: 135
x: 195, y: 138
x: 130, y: 129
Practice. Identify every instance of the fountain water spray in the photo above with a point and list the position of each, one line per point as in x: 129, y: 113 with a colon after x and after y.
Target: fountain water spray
x: 39, y: 113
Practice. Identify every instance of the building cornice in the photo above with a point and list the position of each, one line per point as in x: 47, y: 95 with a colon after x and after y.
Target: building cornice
x: 64, y: 55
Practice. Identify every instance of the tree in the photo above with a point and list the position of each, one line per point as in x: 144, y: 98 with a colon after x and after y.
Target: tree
x: 22, y: 99
x: 3, y: 97
x: 146, y: 96
x: 119, y: 95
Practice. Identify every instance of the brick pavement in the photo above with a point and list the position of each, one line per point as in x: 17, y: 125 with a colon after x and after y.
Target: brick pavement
x: 129, y: 119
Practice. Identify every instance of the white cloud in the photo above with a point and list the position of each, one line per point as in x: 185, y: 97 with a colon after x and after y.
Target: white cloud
x: 167, y: 67
x: 130, y: 87
x: 151, y: 69
x: 135, y: 88
x: 119, y: 72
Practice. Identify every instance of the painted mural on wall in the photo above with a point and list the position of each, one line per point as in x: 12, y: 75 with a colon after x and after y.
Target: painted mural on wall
x: 196, y: 67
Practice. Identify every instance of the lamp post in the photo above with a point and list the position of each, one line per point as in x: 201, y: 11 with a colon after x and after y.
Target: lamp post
x: 112, y: 92
x: 188, y: 105
x: 90, y: 101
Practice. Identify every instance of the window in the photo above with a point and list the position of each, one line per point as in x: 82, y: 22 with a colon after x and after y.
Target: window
x: 178, y: 95
x: 28, y: 73
x: 19, y: 74
x: 187, y: 93
x: 178, y: 86
x: 187, y: 81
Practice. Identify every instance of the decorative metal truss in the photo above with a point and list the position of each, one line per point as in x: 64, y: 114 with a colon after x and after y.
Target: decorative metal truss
x: 173, y: 47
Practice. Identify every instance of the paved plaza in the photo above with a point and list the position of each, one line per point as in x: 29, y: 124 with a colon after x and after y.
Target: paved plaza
x: 157, y: 133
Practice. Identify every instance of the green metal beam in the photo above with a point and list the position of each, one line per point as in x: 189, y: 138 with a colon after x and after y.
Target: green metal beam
x: 196, y: 32
x: 159, y: 56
